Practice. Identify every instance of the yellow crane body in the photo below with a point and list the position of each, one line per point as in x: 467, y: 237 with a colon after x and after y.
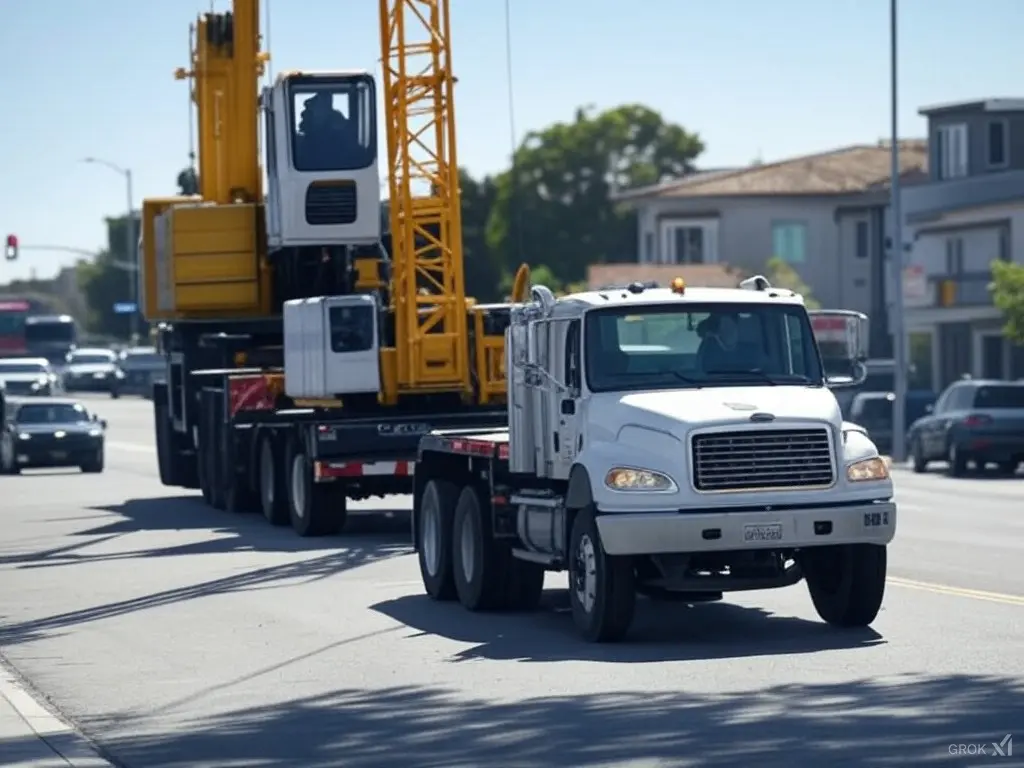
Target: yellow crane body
x: 234, y: 254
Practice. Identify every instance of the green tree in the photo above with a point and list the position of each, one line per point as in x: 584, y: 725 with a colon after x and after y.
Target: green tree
x: 539, y: 275
x: 483, y: 274
x: 782, y: 275
x: 555, y: 206
x: 1007, y: 288
x: 105, y: 281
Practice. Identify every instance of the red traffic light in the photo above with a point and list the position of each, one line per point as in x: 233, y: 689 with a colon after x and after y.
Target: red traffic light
x: 11, y: 252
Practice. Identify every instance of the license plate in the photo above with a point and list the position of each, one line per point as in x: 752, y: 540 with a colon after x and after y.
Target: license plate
x: 876, y: 519
x: 99, y: 375
x: 58, y: 454
x: 771, y: 532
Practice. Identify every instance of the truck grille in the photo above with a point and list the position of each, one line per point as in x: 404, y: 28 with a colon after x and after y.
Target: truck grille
x: 762, y: 460
x: 331, y: 204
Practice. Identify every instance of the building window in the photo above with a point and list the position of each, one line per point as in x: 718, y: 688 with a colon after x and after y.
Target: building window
x: 689, y: 241
x: 954, y: 256
x: 920, y: 353
x: 863, y: 235
x: 951, y: 151
x: 648, y: 255
x: 998, y: 144
x: 789, y: 242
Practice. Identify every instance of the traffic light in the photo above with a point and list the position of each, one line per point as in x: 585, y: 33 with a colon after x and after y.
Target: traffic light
x: 11, y: 252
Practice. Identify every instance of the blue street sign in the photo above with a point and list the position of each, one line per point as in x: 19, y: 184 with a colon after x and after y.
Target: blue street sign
x: 125, y: 307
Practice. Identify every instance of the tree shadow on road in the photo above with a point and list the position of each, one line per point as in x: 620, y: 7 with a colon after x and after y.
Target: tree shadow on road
x: 304, y: 571
x: 661, y: 632
x: 912, y: 720
x: 230, y: 533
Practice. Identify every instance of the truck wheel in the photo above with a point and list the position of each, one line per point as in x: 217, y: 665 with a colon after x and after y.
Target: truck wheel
x: 310, y: 507
x: 434, y: 538
x: 481, y: 571
x: 846, y: 582
x: 602, y: 587
x: 525, y: 585
x: 164, y: 442
x: 273, y: 496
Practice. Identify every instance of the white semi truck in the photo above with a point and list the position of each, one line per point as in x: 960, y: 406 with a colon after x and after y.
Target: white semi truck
x: 677, y: 443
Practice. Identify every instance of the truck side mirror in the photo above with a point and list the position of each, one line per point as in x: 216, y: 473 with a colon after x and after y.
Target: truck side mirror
x: 568, y: 407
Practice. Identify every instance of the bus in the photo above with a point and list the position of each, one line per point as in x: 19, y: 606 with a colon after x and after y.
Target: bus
x: 51, y: 336
x: 13, y: 313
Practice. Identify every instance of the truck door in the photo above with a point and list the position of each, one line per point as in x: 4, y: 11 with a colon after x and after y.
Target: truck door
x: 568, y: 416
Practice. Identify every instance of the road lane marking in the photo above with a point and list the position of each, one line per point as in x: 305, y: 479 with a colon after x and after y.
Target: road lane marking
x: 945, y: 589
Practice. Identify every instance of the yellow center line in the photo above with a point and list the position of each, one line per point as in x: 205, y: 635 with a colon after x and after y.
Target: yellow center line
x: 944, y: 589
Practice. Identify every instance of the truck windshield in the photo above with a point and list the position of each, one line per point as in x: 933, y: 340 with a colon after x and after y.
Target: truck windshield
x: 333, y: 123
x: 679, y: 346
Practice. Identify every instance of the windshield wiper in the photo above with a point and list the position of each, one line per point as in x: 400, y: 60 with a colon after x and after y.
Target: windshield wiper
x: 683, y: 377
x: 774, y: 380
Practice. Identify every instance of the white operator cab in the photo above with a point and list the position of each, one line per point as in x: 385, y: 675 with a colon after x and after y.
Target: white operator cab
x: 322, y: 165
x: 332, y: 346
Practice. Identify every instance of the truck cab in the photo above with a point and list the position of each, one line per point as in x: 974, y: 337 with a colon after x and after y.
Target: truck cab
x: 320, y: 135
x: 682, y: 442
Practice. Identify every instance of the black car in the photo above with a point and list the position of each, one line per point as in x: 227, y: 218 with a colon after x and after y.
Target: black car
x: 93, y: 370
x: 142, y: 367
x: 50, y: 432
x: 973, y: 421
x: 27, y: 376
x: 874, y: 412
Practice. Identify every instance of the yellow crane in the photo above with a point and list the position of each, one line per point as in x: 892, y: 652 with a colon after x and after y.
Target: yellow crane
x: 336, y: 318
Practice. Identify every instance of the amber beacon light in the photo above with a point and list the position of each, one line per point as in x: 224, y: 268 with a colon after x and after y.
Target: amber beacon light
x: 679, y: 285
x: 11, y: 251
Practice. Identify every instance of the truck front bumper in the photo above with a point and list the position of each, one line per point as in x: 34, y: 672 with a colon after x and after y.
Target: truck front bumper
x: 661, y: 533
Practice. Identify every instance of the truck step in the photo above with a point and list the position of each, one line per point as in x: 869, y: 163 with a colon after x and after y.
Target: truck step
x: 537, y: 557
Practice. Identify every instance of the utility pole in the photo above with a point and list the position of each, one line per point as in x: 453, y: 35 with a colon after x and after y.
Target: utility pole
x: 897, y: 315
x: 130, y: 241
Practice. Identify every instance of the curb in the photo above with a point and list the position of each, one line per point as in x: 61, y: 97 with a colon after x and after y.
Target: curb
x: 63, y: 740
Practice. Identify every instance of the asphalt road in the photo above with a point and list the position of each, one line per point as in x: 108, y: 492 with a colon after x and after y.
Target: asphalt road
x: 178, y: 636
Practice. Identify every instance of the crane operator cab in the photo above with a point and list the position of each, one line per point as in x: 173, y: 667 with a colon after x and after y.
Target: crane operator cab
x: 321, y: 145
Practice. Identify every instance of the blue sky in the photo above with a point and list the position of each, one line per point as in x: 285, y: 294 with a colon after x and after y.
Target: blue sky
x: 769, y: 79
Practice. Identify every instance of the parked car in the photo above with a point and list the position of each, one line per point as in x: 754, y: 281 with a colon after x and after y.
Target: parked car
x: 142, y: 367
x: 27, y: 376
x: 93, y: 370
x: 50, y: 432
x: 975, y: 422
x: 874, y: 412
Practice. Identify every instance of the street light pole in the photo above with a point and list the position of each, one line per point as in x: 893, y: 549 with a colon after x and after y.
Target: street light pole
x: 897, y: 315
x: 130, y: 241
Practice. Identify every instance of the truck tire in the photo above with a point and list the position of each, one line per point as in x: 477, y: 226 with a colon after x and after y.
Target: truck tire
x: 434, y: 538
x: 525, y: 585
x: 313, y: 509
x: 164, y: 441
x: 846, y: 582
x: 602, y: 587
x: 272, y: 483
x: 482, y: 568
x: 211, y: 480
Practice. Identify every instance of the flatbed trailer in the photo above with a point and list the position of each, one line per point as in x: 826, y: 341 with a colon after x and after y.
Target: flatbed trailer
x: 230, y: 432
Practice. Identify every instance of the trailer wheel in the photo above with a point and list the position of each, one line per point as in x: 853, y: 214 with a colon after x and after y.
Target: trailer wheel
x: 434, y: 538
x: 846, y: 582
x: 272, y: 478
x: 602, y: 588
x: 164, y: 441
x: 525, y: 585
x: 482, y: 568
x: 311, y: 509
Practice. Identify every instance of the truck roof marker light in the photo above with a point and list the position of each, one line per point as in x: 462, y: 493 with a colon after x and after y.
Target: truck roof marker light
x: 679, y: 286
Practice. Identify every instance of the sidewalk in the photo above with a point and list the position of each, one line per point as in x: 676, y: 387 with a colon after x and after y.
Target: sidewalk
x: 31, y: 737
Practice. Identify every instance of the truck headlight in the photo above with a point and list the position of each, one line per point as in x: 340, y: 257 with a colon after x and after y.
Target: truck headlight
x: 632, y: 479
x: 867, y: 469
